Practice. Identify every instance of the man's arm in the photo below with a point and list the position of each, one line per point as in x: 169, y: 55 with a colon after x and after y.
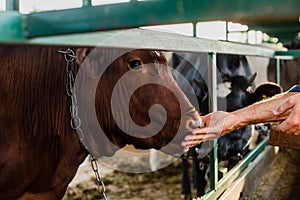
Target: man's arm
x: 263, y: 111
x: 219, y: 123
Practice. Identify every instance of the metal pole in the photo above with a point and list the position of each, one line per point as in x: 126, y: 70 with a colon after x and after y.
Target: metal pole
x: 213, y: 106
x: 86, y: 3
x: 227, y: 32
x: 277, y: 71
x: 12, y: 5
x: 194, y: 29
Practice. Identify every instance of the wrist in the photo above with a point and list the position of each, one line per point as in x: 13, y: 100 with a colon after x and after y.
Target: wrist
x: 239, y: 119
x: 231, y: 122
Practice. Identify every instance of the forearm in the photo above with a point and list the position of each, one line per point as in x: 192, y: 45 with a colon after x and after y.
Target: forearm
x: 261, y: 112
x: 283, y: 107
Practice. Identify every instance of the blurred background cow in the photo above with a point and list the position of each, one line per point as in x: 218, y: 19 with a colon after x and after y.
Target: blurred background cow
x: 234, y: 92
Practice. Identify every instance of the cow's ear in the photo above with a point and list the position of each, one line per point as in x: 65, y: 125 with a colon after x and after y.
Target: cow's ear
x: 251, y: 78
x: 81, y: 54
x: 87, y: 62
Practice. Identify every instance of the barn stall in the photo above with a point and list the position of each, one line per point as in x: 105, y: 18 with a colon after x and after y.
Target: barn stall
x: 115, y: 26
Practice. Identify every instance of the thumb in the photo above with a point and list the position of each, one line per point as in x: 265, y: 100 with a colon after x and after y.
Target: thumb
x: 206, y: 119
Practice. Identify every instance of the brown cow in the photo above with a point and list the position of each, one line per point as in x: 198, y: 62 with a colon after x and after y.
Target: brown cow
x: 40, y: 152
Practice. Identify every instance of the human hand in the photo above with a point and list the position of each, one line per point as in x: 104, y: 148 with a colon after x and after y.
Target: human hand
x: 291, y: 124
x: 216, y: 124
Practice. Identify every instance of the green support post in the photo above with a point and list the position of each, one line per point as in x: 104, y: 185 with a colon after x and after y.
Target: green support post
x: 86, y: 3
x: 12, y: 5
x: 278, y: 71
x: 11, y: 27
x: 194, y: 29
x: 213, y: 106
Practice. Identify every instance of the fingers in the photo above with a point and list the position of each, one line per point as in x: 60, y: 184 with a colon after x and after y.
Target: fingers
x: 206, y: 119
x: 285, y: 128
x: 197, y: 140
x: 213, y: 127
x: 200, y: 135
x: 286, y: 105
x: 291, y: 125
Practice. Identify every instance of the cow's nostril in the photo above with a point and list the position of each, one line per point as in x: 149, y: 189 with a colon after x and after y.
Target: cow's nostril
x: 196, y: 123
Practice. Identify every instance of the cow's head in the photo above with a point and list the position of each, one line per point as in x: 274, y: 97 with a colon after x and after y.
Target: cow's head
x: 135, y: 100
x: 242, y: 95
x: 239, y: 95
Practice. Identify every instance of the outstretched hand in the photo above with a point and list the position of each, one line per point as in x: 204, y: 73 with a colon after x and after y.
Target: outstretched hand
x: 216, y: 124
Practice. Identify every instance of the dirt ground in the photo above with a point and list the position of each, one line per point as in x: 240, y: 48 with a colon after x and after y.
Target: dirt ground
x: 282, y: 182
x: 163, y: 184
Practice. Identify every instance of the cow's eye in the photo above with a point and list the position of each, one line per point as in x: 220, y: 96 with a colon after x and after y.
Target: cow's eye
x: 135, y: 64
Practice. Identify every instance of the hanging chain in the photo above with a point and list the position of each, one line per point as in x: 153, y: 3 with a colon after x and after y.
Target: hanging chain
x: 101, y: 186
x: 75, y: 122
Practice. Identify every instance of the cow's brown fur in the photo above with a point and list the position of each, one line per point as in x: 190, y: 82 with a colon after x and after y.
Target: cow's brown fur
x: 39, y: 151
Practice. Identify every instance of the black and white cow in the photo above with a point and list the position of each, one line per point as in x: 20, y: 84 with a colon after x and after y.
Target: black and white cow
x: 235, y: 70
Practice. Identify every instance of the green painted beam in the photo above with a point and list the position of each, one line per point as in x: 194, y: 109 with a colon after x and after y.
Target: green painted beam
x: 157, y: 12
x: 11, y: 26
x: 278, y: 25
x: 285, y: 40
x: 294, y: 53
x: 284, y: 37
x: 285, y: 31
x: 280, y: 31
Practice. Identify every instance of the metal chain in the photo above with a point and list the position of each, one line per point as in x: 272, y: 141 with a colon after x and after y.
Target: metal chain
x: 101, y: 186
x: 75, y: 122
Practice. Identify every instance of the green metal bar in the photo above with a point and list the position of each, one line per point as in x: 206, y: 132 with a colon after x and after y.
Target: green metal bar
x: 213, y: 163
x: 86, y: 3
x: 278, y: 71
x: 194, y: 29
x: 227, y: 32
x: 12, y: 5
x: 294, y: 53
x: 235, y: 172
x: 280, y: 26
x: 11, y: 26
x: 157, y: 12
x: 286, y: 31
x: 213, y: 106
